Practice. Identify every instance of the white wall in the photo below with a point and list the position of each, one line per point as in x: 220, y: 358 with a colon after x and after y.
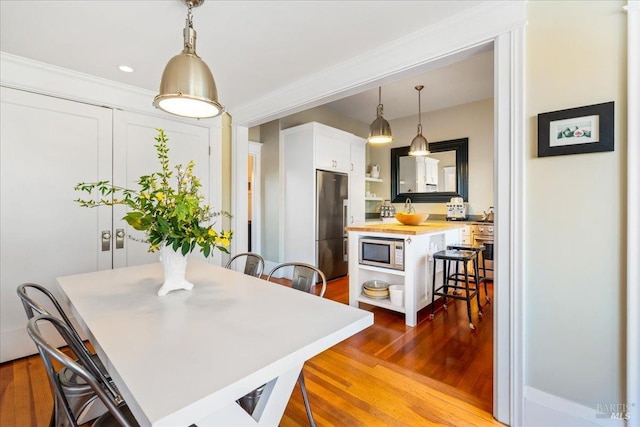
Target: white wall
x: 473, y: 120
x: 270, y: 137
x: 575, y: 204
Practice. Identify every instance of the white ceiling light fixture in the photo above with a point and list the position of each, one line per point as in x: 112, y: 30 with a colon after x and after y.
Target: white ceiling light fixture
x: 419, y: 145
x: 187, y: 87
x: 125, y: 69
x: 380, y: 130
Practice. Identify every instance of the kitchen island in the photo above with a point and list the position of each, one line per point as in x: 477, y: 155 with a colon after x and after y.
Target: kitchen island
x: 419, y: 242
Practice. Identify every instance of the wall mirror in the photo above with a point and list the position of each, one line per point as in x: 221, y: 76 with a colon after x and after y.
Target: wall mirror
x: 443, y: 174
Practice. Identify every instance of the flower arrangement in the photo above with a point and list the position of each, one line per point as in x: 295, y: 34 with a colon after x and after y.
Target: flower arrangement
x: 175, y: 217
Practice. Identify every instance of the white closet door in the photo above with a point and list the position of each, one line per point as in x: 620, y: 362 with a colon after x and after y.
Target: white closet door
x: 135, y: 155
x: 47, y: 145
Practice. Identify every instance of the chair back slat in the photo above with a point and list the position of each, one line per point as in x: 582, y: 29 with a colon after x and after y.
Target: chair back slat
x: 304, y: 277
x: 253, y: 266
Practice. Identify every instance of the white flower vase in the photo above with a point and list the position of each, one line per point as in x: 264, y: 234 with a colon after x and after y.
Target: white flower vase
x: 175, y: 267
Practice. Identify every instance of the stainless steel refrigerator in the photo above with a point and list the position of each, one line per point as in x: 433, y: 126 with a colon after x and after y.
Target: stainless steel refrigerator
x: 332, y: 193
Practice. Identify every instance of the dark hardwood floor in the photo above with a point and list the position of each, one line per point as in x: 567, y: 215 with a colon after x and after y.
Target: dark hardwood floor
x: 442, y: 354
x: 443, y: 349
x: 437, y: 373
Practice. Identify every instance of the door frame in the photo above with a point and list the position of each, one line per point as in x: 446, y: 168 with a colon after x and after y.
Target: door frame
x: 633, y: 207
x: 498, y: 23
x: 255, y: 151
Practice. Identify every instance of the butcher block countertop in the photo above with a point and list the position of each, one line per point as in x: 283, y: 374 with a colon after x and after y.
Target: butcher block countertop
x: 391, y: 228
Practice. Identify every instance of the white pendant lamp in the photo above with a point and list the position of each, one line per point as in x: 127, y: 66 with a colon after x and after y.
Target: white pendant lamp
x: 380, y: 131
x: 419, y: 145
x: 187, y: 87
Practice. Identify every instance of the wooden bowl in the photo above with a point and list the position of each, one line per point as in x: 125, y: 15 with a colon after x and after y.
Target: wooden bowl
x: 411, y: 218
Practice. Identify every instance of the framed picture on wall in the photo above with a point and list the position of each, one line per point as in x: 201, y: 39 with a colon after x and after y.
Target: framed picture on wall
x: 578, y: 130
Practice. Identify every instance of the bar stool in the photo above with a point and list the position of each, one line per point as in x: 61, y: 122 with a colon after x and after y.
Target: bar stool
x: 479, y: 265
x: 457, y: 256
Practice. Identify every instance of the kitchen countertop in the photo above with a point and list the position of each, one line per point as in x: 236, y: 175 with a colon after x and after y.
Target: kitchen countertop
x: 440, y: 219
x: 397, y: 228
x: 469, y: 219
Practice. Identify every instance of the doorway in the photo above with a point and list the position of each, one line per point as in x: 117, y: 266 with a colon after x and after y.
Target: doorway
x: 504, y: 27
x: 254, y: 199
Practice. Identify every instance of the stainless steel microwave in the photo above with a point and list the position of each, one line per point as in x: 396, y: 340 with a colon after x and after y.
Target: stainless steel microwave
x: 381, y: 252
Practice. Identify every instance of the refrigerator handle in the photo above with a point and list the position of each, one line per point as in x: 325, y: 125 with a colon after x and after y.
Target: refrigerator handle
x: 345, y: 249
x: 345, y: 215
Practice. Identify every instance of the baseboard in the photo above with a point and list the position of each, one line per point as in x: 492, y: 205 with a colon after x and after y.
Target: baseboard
x: 543, y: 409
x: 16, y: 343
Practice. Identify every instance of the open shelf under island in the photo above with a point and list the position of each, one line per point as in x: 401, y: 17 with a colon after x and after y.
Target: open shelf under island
x: 419, y: 242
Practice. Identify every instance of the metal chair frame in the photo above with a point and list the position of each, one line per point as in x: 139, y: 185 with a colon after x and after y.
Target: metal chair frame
x: 254, y: 265
x: 78, y: 393
x: 118, y: 412
x: 303, y: 275
x: 303, y: 280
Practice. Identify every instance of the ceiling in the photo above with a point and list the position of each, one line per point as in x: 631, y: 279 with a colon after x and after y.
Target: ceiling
x: 252, y: 47
x: 464, y: 81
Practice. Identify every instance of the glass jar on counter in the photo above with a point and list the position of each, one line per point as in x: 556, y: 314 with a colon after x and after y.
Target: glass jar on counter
x: 387, y: 210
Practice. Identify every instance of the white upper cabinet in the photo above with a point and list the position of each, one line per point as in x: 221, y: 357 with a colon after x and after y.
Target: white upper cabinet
x: 426, y: 173
x: 431, y: 170
x: 358, y: 157
x: 332, y: 149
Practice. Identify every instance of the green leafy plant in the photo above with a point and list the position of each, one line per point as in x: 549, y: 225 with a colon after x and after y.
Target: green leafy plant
x: 176, y: 217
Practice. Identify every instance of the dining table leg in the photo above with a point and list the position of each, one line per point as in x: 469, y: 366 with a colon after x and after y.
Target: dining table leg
x: 270, y: 406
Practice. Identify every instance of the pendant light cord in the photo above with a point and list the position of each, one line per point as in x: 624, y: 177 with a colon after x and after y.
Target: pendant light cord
x: 419, y: 111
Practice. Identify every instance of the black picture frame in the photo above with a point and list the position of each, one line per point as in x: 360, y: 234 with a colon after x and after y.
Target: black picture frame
x: 460, y: 146
x: 587, y: 129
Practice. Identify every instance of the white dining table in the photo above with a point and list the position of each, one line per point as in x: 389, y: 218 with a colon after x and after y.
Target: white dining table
x: 185, y: 358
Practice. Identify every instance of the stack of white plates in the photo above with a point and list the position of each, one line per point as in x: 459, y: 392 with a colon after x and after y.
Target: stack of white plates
x: 377, y: 289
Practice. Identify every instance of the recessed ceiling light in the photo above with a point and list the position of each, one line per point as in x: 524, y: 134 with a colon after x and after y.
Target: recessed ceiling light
x: 126, y: 69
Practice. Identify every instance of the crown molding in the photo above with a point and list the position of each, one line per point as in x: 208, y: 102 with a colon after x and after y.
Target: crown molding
x: 46, y: 79
x: 464, y: 34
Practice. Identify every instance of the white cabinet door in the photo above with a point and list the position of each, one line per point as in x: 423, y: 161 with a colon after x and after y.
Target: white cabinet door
x: 47, y: 146
x: 357, y: 183
x: 135, y: 155
x: 431, y: 171
x: 358, y: 156
x: 332, y: 152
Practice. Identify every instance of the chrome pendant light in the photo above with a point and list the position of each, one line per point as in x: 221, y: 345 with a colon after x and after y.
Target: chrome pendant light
x: 187, y: 87
x: 380, y: 131
x: 419, y: 145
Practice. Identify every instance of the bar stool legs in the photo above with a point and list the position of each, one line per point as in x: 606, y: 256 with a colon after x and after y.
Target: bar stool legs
x: 483, y: 278
x: 480, y: 263
x: 448, y: 257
